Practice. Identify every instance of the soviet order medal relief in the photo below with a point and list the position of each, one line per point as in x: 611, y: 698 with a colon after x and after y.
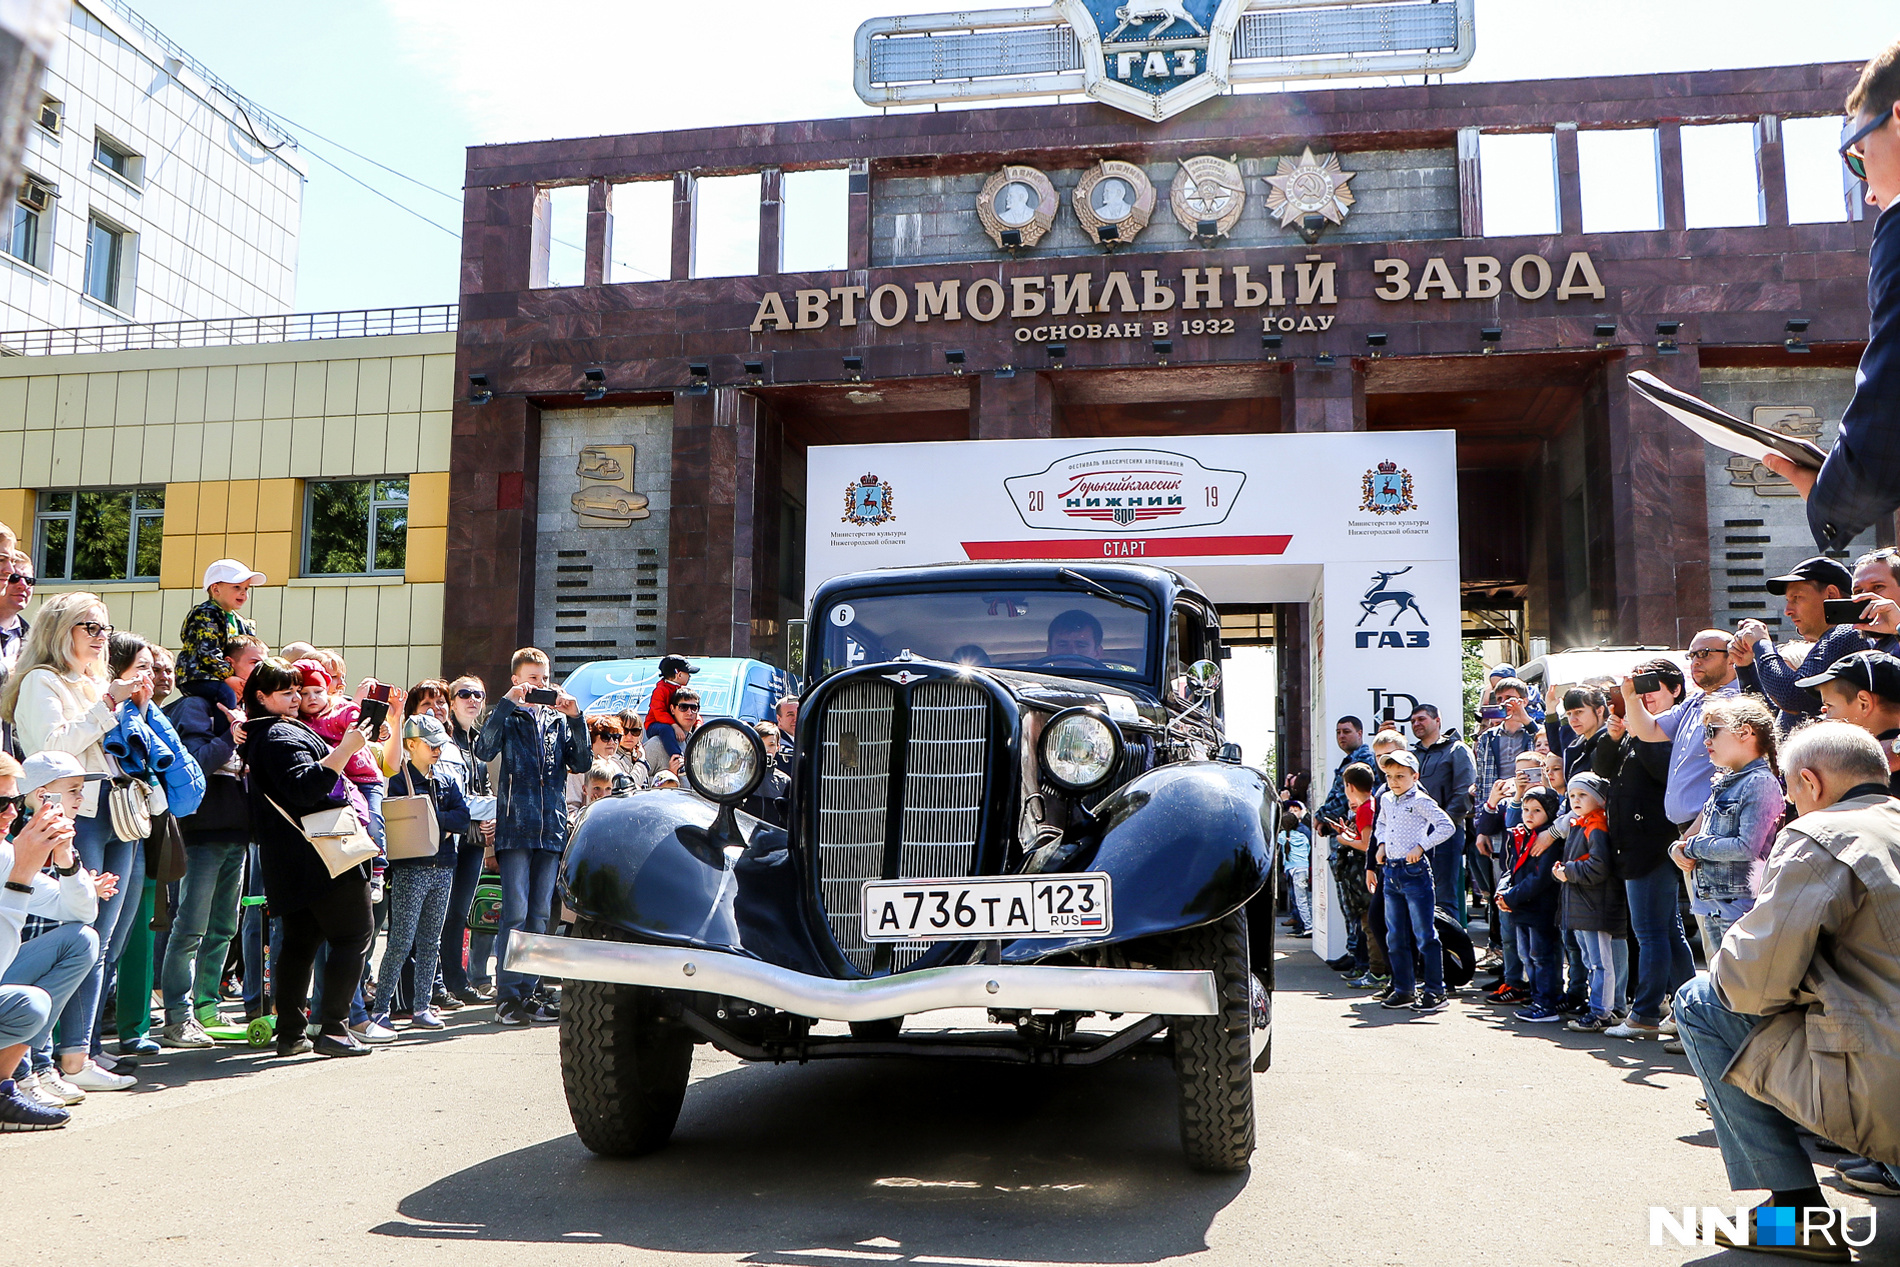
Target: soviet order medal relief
x: 1017, y: 207
x: 1208, y: 196
x: 1309, y: 187
x: 1114, y: 201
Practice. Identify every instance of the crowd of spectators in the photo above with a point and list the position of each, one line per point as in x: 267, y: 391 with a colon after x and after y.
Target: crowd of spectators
x: 1600, y: 814
x: 237, y: 827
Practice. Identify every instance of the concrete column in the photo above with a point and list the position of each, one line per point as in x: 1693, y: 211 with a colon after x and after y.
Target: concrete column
x: 711, y: 531
x: 1771, y: 174
x: 1470, y: 188
x: 771, y: 221
x: 858, y: 230
x: 1658, y: 513
x: 600, y: 232
x: 685, y: 224
x: 1675, y: 216
x: 1020, y: 407
x: 1569, y: 181
x: 494, y: 470
x: 1313, y: 398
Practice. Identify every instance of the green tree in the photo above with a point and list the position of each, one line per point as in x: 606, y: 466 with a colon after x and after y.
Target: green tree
x: 1473, y: 666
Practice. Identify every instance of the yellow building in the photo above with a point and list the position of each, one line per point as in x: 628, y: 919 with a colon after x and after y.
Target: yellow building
x: 322, y: 462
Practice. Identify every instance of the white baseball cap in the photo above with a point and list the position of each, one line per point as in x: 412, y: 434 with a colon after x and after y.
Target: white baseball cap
x: 48, y: 767
x: 231, y: 572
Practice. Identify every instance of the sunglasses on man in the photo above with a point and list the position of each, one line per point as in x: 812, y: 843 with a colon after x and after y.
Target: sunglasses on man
x: 1855, y: 160
x: 17, y: 578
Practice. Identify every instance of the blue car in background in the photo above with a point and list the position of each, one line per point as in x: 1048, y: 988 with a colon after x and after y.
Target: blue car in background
x: 728, y: 686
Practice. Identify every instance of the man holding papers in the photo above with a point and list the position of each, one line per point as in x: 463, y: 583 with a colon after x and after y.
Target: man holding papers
x: 1860, y: 481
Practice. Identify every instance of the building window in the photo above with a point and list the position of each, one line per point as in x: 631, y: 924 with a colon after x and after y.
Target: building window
x: 356, y: 527
x: 117, y: 159
x: 100, y: 534
x: 27, y: 233
x: 107, y: 247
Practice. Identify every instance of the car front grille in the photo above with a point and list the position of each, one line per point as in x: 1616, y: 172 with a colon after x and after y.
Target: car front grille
x: 941, y: 772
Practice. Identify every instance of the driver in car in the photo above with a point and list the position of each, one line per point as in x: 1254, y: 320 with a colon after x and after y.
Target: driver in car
x: 1076, y: 633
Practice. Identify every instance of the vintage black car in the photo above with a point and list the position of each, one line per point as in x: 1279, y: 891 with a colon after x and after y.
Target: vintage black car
x: 1011, y: 793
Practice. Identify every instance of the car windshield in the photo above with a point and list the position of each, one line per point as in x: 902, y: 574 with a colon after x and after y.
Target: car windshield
x: 1052, y: 628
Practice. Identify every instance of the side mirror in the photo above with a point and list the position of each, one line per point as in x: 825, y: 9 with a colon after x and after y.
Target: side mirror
x: 1203, y: 678
x: 795, y: 648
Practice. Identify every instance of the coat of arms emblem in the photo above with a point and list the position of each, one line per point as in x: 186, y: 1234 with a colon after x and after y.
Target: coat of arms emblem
x: 867, y: 502
x: 1387, y: 490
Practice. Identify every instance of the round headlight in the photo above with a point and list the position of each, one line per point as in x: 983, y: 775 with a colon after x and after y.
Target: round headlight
x: 1080, y: 750
x: 725, y: 761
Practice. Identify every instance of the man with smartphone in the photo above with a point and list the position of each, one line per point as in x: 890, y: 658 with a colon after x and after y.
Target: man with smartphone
x: 537, y: 732
x: 1860, y: 481
x: 1680, y: 726
x: 1877, y: 594
x: 1805, y: 593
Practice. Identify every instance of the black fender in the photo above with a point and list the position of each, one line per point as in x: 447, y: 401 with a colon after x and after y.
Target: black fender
x: 1182, y: 845
x: 652, y: 866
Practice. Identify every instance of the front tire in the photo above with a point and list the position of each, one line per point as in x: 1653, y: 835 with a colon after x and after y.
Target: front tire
x: 1212, y: 1054
x: 624, y: 1066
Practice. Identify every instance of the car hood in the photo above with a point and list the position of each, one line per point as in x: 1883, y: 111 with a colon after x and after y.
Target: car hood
x: 1051, y: 693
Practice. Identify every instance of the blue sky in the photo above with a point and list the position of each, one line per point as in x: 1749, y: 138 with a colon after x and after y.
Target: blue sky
x: 411, y: 83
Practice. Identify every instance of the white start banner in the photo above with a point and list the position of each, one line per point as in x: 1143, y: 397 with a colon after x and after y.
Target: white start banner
x: 1361, y: 526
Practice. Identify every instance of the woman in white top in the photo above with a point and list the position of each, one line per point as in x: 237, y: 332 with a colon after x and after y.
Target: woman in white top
x: 61, y: 697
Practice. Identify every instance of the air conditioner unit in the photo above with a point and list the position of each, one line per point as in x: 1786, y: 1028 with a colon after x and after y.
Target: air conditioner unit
x: 36, y: 194
x: 52, y: 115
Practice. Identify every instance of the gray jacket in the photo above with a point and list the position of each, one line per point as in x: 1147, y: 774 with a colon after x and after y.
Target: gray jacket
x: 1447, y: 771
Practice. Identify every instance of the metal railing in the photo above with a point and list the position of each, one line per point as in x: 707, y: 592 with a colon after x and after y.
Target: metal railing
x: 224, y: 332
x: 259, y: 116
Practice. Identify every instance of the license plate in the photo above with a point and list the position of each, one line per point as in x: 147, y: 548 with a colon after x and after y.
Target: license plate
x: 987, y: 908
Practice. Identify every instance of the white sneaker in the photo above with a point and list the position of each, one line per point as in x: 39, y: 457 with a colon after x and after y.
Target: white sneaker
x: 54, y: 1085
x: 1628, y: 1029
x: 1669, y: 1026
x: 374, y: 1033
x: 92, y: 1078
x: 46, y: 1097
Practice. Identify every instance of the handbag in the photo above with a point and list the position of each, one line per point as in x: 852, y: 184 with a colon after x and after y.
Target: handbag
x: 335, y: 834
x: 129, y: 801
x: 409, y: 824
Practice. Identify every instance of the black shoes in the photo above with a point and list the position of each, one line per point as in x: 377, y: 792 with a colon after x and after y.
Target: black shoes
x: 294, y: 1046
x: 344, y: 1044
x: 1340, y: 964
x: 1397, y: 1000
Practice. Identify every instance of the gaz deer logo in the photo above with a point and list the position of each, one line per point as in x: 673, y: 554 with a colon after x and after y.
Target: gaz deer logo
x: 1122, y: 490
x: 1387, y: 490
x: 1154, y: 57
x: 1382, y: 593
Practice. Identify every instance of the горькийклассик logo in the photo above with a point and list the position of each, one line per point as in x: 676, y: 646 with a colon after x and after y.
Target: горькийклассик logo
x: 1387, y: 490
x: 867, y: 502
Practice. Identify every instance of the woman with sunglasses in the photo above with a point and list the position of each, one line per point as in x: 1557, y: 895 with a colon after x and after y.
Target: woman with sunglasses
x: 1860, y: 481
x: 61, y: 697
x: 466, y: 979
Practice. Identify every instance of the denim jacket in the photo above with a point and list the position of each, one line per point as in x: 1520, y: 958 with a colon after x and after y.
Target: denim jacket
x: 1738, y: 826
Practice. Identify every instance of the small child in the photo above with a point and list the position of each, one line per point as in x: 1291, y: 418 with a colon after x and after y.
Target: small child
x: 1595, y: 912
x: 1296, y: 847
x: 1350, y: 863
x: 202, y: 666
x: 419, y: 887
x: 1409, y: 825
x: 331, y: 717
x: 674, y: 673
x: 1726, y: 859
x: 1528, y: 892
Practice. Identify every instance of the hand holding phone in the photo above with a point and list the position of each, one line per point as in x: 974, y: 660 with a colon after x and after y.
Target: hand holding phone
x: 542, y: 695
x: 1846, y: 611
x: 374, y: 713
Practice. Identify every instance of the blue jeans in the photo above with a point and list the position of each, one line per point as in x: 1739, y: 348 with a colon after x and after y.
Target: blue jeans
x: 99, y: 851
x: 257, y: 1000
x: 57, y: 962
x: 1409, y: 929
x: 1448, y: 874
x: 1515, y: 972
x: 1664, y: 960
x: 1599, y: 959
x: 1712, y: 926
x: 1537, y: 940
x: 527, y: 890
x: 468, y: 875
x: 202, y: 925
x: 1760, y: 1147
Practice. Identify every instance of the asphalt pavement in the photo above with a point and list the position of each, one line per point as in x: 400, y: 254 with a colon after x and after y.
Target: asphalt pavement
x: 1385, y: 1138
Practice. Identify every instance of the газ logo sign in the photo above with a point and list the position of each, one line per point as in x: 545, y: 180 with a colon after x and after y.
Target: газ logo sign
x: 1116, y: 490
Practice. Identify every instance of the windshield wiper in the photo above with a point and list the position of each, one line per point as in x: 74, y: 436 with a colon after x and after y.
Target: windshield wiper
x: 1078, y: 581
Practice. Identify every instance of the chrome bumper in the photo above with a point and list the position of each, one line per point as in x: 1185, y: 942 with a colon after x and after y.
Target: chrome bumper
x: 928, y: 990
